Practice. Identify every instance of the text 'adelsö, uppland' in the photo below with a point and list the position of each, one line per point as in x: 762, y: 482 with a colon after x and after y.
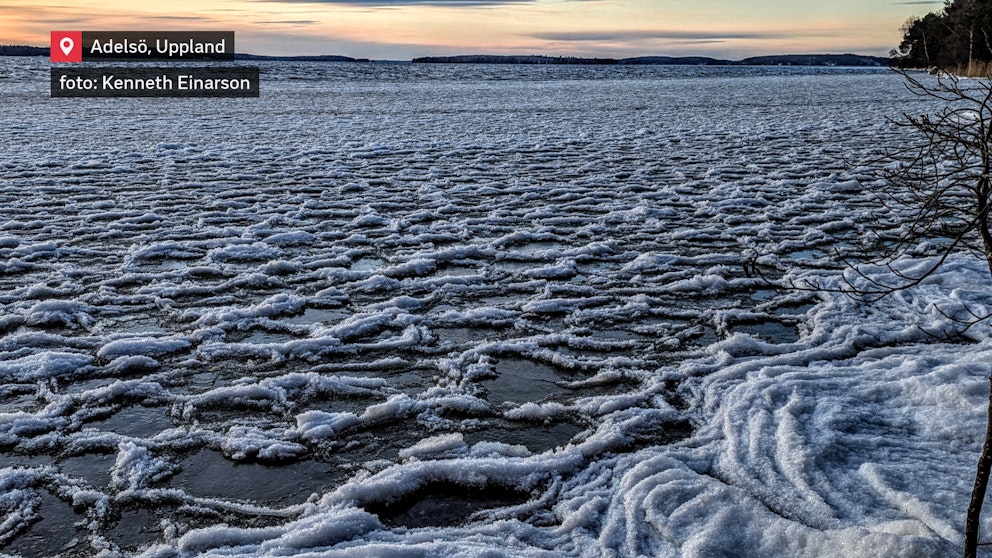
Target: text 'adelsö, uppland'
x: 163, y: 47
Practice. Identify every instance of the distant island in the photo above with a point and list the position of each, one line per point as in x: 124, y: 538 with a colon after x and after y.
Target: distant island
x: 816, y: 60
x: 497, y: 59
x: 20, y: 50
x: 855, y: 60
x: 320, y: 58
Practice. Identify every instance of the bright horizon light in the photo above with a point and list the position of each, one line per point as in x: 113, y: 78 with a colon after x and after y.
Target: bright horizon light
x: 405, y: 29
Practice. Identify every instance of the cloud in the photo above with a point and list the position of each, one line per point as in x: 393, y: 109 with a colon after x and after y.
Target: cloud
x: 176, y: 18
x: 72, y: 21
x: 289, y: 22
x: 395, y: 3
x: 633, y: 35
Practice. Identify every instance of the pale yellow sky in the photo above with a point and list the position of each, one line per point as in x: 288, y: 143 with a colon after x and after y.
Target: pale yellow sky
x: 403, y: 29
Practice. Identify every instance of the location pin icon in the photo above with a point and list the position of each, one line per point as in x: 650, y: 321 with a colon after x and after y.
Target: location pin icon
x: 66, y: 45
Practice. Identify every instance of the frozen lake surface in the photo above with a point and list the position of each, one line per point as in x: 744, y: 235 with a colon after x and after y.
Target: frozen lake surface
x: 400, y: 310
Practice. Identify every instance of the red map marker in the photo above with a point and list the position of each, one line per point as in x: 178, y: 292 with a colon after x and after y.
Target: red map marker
x: 66, y: 46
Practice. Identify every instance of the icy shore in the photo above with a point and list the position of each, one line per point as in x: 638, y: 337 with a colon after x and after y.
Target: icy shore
x: 469, y: 314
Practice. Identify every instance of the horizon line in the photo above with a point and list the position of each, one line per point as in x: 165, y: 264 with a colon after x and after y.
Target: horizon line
x: 48, y: 47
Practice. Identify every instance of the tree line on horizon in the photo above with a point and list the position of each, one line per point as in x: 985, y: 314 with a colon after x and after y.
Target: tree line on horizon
x: 957, y: 38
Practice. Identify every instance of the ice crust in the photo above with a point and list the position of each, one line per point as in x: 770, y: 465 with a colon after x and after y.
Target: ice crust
x: 342, y: 271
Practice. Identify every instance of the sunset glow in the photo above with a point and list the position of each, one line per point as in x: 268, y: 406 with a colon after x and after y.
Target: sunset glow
x: 402, y: 29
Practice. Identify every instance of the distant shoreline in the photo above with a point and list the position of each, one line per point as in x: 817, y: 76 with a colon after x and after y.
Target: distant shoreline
x: 846, y: 60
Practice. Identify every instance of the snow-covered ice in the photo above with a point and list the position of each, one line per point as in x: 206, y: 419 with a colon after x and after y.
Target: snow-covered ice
x: 390, y: 310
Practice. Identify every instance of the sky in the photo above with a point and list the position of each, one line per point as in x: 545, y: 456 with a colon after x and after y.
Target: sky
x: 404, y: 29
